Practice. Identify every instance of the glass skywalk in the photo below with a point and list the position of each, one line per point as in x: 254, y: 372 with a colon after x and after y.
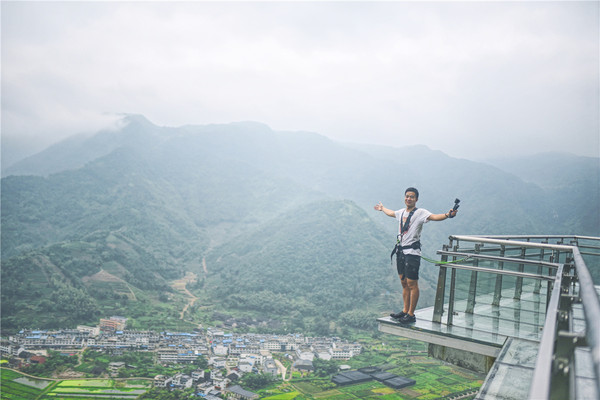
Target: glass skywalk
x: 493, y: 299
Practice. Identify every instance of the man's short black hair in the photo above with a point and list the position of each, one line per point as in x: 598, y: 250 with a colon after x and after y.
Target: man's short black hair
x: 412, y: 189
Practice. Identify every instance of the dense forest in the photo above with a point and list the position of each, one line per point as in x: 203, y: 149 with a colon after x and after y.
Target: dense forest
x: 269, y: 228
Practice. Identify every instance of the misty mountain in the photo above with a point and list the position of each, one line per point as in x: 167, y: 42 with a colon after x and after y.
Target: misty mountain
x: 76, y: 151
x: 573, y: 182
x: 262, y: 225
x: 318, y: 262
x: 552, y: 170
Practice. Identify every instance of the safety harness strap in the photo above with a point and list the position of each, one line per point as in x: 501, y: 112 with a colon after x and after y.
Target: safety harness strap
x: 398, y: 248
x: 403, y: 228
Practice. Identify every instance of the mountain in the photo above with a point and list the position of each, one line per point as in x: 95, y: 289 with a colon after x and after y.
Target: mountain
x: 268, y: 228
x: 76, y: 151
x: 316, y: 263
x: 572, y: 181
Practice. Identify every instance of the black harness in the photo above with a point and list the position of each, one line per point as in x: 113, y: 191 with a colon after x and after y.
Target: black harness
x: 403, y: 228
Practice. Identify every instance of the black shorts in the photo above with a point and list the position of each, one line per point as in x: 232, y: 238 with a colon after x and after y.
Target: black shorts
x: 408, y: 266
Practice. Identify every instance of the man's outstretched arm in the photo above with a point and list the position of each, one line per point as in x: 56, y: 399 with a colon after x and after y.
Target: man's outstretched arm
x: 387, y: 211
x: 441, y: 217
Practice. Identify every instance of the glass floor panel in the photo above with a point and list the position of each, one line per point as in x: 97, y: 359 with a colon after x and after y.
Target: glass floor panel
x: 521, y: 318
x: 511, y: 374
x: 515, y: 326
x: 510, y: 377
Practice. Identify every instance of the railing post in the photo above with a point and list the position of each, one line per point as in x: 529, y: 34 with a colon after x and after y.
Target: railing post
x: 519, y: 282
x: 550, y: 287
x: 538, y: 284
x: 473, y: 283
x: 450, y: 318
x: 498, y: 288
x: 440, y: 293
x: 557, y: 253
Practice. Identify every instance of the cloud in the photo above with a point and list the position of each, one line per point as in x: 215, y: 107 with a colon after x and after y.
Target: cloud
x: 472, y: 79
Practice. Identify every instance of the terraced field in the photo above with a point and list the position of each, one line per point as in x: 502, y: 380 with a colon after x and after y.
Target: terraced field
x: 16, y: 386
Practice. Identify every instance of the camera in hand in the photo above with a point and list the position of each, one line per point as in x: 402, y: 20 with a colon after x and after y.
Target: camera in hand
x: 456, y: 201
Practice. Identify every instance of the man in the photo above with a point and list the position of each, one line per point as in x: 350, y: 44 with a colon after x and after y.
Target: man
x: 408, y: 249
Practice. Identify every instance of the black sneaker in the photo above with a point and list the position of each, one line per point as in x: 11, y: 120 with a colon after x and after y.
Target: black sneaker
x: 408, y: 319
x: 399, y: 315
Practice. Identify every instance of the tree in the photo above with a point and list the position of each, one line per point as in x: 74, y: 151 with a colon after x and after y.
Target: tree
x: 55, y: 362
x: 325, y: 367
x: 256, y: 381
x: 201, y: 362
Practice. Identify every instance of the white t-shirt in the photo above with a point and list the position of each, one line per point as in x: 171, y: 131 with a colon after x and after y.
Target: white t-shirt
x: 413, y: 233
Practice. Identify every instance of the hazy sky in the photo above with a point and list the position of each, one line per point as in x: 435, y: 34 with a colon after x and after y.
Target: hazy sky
x: 473, y: 79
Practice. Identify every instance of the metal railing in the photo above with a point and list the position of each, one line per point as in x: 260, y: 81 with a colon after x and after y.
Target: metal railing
x: 554, y: 376
x: 508, y: 261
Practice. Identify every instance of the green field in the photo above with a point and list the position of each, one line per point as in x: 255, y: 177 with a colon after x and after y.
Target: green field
x: 283, y: 396
x: 369, y: 390
x: 97, y: 389
x: 86, y: 383
x: 16, y: 386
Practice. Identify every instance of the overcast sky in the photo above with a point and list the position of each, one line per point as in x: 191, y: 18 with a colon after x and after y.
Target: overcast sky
x: 473, y: 79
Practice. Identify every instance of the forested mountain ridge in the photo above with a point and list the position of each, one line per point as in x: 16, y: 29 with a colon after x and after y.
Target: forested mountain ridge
x: 271, y: 224
x: 573, y: 182
x: 76, y: 151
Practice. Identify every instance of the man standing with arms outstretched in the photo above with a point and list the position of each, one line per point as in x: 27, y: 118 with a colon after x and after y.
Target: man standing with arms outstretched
x: 408, y: 249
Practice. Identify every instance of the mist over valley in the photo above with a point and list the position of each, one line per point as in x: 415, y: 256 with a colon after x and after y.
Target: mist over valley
x: 173, y: 227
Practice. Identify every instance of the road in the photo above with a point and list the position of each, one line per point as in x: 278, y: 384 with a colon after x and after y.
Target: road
x: 181, y: 285
x: 282, y: 369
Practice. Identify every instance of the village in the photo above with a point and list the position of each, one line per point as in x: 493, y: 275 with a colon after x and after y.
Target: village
x: 229, y: 355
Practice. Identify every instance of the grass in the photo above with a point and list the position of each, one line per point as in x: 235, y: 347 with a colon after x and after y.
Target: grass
x: 307, y: 387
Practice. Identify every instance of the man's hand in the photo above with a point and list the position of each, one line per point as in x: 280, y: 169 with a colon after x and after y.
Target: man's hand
x: 378, y: 207
x: 452, y: 213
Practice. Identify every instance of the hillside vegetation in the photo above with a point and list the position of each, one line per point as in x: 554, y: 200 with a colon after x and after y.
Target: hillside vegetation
x: 277, y: 229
